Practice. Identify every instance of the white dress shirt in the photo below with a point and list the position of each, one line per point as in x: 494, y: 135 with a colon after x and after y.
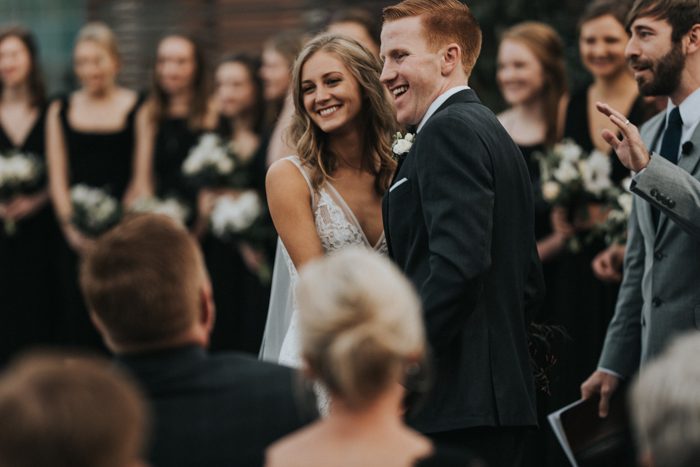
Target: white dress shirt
x: 438, y: 102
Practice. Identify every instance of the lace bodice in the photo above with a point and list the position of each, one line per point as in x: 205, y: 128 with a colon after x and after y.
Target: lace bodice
x: 336, y: 224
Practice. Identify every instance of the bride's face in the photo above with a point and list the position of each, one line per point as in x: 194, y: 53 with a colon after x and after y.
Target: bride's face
x: 331, y: 94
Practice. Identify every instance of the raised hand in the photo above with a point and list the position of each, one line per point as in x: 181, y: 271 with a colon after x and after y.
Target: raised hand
x: 629, y: 148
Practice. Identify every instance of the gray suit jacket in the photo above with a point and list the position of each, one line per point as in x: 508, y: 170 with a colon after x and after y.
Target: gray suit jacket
x: 659, y: 297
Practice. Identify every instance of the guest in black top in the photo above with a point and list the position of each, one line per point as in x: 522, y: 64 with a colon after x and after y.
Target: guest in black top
x: 30, y: 237
x: 179, y: 112
x: 149, y: 295
x: 91, y: 140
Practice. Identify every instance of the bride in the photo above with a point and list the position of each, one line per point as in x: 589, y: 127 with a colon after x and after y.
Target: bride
x: 328, y: 196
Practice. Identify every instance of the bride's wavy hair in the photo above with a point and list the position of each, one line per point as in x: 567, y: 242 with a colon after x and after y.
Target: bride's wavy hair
x: 376, y: 115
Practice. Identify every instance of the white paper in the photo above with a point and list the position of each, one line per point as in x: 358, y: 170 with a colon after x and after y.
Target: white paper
x: 555, y: 420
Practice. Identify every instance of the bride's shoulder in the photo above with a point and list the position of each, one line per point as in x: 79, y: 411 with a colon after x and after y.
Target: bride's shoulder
x: 286, y: 178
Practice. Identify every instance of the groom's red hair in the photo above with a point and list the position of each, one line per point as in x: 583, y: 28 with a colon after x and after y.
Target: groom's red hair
x: 444, y: 21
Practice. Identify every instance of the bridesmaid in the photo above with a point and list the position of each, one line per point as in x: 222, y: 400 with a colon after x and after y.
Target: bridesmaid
x: 179, y: 112
x: 27, y: 256
x: 92, y: 139
x: 279, y: 54
x: 532, y: 79
x: 239, y: 295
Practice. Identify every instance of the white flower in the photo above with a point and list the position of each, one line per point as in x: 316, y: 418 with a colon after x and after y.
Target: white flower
x: 565, y: 173
x: 617, y: 216
x: 550, y: 190
x: 625, y: 202
x: 570, y: 151
x: 595, y: 172
x: 232, y: 215
x: 170, y: 207
x: 18, y: 169
x: 210, y: 152
x: 402, y: 144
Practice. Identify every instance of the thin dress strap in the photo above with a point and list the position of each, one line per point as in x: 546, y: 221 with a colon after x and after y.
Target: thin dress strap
x: 297, y: 162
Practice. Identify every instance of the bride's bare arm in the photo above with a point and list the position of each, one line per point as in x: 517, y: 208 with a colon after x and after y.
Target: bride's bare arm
x: 289, y: 199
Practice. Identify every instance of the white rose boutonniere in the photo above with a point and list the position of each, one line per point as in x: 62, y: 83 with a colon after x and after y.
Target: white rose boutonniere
x: 402, y: 143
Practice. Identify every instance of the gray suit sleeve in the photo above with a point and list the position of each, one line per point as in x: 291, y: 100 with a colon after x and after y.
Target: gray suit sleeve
x: 622, y: 348
x: 673, y: 190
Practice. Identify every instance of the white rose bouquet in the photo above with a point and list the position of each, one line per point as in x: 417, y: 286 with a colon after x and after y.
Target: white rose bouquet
x: 614, y: 229
x: 171, y: 207
x: 574, y: 179
x: 210, y: 163
x: 20, y: 174
x: 240, y: 218
x: 570, y: 175
x: 94, y: 210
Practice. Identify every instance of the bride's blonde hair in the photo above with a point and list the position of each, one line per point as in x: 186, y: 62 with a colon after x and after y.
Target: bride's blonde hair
x: 360, y: 324
x: 377, y: 114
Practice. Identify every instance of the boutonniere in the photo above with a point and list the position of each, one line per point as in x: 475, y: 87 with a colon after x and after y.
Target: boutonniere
x: 402, y: 143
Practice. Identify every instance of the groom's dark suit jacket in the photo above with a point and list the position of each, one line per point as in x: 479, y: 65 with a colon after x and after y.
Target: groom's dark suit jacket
x: 461, y: 228
x: 220, y: 410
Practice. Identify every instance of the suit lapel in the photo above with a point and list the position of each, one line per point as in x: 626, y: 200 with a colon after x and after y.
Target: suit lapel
x: 689, y: 163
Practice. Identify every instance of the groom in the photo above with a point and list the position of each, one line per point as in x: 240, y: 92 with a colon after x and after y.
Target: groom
x: 459, y: 223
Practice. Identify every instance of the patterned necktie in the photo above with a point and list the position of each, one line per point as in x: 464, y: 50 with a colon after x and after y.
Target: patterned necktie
x: 670, y: 146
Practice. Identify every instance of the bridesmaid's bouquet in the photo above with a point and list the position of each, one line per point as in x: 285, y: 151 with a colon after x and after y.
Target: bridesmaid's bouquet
x: 574, y: 179
x: 237, y: 216
x: 241, y: 218
x: 170, y: 206
x: 210, y: 163
x: 94, y: 210
x: 20, y: 174
x: 614, y: 229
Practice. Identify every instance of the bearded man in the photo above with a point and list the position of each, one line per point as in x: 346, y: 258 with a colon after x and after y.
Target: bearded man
x: 659, y: 297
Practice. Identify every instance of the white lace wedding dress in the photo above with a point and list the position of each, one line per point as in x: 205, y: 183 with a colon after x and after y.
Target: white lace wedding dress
x: 337, y: 228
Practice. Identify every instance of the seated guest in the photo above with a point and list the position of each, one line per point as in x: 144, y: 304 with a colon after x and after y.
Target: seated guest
x: 665, y: 407
x: 361, y: 335
x: 150, y: 298
x: 69, y: 412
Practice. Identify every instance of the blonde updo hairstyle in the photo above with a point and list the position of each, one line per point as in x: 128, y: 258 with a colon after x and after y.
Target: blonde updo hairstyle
x: 360, y: 324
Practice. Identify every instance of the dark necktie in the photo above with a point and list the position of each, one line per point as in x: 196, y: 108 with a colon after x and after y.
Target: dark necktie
x: 670, y: 146
x: 672, y: 136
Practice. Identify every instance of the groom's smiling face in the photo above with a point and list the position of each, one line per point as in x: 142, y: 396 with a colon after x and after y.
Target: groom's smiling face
x: 412, y: 69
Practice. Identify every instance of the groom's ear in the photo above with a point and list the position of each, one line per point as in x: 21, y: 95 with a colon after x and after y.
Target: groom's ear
x: 451, y: 59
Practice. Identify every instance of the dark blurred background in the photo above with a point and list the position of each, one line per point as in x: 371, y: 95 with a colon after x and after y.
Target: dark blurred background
x: 225, y: 26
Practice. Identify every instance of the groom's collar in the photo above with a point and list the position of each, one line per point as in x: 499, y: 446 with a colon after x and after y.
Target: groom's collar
x: 437, y: 103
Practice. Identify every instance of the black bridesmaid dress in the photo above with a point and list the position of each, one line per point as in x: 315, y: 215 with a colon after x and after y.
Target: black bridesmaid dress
x: 101, y: 160
x: 241, y: 298
x: 28, y: 273
x: 174, y: 139
x: 582, y: 304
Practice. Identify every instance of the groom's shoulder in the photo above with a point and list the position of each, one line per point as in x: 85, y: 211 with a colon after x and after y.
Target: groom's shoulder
x: 470, y: 116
